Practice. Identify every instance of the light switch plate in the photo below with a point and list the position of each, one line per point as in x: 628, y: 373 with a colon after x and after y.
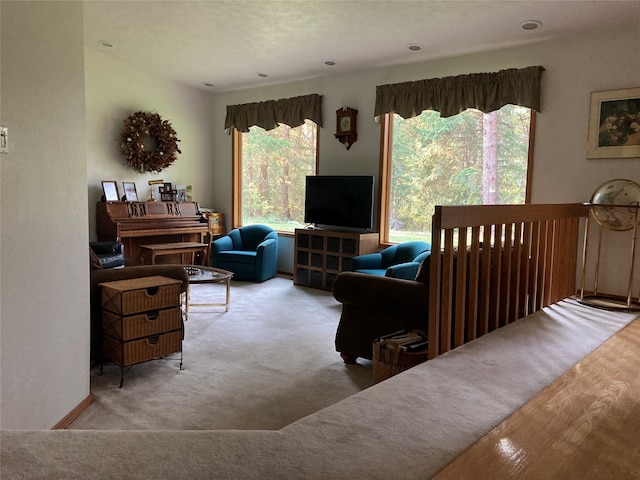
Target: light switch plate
x: 4, y: 140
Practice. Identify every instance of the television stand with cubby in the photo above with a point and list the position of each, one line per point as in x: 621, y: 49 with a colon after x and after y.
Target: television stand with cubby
x: 320, y: 255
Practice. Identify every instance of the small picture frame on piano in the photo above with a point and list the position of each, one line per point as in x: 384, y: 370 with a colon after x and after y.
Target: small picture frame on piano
x: 130, y: 192
x: 184, y: 193
x: 110, y: 189
x: 167, y: 193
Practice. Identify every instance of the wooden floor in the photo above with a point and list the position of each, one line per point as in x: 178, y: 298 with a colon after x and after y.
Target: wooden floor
x: 585, y: 425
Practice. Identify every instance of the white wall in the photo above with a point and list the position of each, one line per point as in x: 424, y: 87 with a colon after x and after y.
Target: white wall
x: 115, y: 90
x: 575, y: 67
x: 44, y: 263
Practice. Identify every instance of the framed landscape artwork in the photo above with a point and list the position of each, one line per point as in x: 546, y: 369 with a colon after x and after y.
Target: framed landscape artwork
x: 614, y: 124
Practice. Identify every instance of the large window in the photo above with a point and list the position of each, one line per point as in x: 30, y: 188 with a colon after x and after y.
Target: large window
x: 270, y: 169
x: 467, y: 159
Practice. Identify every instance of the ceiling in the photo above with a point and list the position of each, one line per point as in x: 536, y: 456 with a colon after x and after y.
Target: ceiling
x: 229, y: 43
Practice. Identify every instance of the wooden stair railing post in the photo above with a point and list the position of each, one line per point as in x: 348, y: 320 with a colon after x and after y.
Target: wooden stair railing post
x: 473, y: 288
x: 435, y: 273
x: 460, y: 289
x: 446, y: 293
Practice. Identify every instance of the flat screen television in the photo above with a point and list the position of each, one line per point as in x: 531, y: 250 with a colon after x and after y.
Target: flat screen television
x: 339, y: 200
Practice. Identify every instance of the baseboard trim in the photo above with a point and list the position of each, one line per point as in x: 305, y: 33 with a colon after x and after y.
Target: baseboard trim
x: 73, y: 414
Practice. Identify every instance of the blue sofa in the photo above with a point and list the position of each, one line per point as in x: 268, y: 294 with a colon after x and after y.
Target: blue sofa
x: 397, y: 261
x: 250, y: 252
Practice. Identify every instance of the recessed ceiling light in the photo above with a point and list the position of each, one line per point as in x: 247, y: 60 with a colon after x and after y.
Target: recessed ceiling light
x: 414, y: 47
x: 531, y: 24
x: 207, y: 84
x: 331, y: 63
x: 263, y: 75
x: 105, y: 43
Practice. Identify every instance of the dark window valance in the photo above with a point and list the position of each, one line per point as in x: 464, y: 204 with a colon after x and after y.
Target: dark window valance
x: 290, y: 111
x: 451, y: 95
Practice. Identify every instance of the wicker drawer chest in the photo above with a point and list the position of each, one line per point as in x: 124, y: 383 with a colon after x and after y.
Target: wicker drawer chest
x: 141, y: 320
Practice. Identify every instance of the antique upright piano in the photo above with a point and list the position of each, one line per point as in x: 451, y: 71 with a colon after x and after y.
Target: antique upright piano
x: 142, y: 223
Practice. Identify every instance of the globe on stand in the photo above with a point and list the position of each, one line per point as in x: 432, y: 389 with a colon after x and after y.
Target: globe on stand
x: 614, y: 206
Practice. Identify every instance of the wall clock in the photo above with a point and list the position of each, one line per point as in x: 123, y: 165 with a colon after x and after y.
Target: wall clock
x: 346, y: 126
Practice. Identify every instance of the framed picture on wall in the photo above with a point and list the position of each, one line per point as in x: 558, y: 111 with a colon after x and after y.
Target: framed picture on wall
x: 130, y: 193
x: 110, y: 189
x: 614, y: 124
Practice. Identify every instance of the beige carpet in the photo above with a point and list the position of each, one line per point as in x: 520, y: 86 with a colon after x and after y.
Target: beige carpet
x: 407, y: 428
x: 267, y: 362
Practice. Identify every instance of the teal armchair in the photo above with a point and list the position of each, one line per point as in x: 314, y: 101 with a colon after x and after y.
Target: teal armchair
x: 250, y: 252
x: 398, y: 261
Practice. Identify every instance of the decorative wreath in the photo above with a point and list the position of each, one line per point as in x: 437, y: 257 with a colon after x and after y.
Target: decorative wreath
x: 148, y: 143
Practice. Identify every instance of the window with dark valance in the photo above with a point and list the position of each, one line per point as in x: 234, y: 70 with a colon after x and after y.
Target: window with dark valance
x: 451, y: 95
x: 268, y: 114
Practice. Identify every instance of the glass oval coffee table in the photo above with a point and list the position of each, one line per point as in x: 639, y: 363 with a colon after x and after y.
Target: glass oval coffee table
x: 203, y: 274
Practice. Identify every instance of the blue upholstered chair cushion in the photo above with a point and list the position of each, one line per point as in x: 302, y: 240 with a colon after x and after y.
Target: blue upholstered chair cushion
x: 250, y: 252
x: 398, y: 261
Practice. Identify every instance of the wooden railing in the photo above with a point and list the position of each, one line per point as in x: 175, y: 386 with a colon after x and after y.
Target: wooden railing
x: 518, y: 259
